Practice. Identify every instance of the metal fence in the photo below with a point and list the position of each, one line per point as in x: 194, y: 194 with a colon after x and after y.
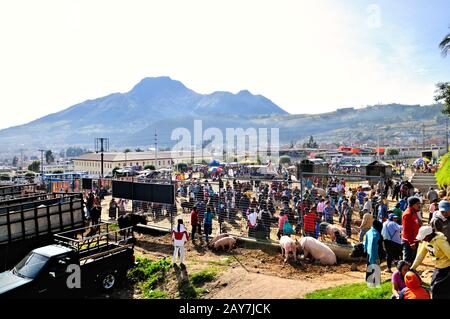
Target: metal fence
x: 254, y: 208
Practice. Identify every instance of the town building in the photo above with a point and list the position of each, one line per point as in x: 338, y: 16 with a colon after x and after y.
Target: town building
x: 91, y: 162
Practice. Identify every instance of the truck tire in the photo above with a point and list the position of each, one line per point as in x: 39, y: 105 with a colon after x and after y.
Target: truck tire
x: 107, y: 281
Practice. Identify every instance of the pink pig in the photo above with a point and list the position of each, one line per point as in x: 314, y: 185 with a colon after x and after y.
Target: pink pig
x: 288, y: 245
x: 229, y: 242
x: 218, y: 237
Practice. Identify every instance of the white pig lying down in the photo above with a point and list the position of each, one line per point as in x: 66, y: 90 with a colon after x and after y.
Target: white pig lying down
x: 225, y: 243
x: 218, y: 237
x: 288, y: 245
x: 317, y: 250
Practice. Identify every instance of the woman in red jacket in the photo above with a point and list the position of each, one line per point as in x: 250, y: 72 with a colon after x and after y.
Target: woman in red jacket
x: 180, y: 236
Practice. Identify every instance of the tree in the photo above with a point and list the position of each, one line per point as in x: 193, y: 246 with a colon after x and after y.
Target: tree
x: 127, y: 150
x: 73, y: 152
x: 58, y: 171
x: 311, y: 143
x: 15, y: 161
x: 285, y: 160
x: 181, y: 167
x: 35, y: 166
x: 442, y: 94
x: 392, y: 151
x: 445, y: 45
x: 150, y: 167
x: 138, y: 150
x: 49, y: 158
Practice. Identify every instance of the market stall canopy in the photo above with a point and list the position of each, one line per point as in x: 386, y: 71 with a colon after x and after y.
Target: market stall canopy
x: 421, y: 160
x: 214, y: 163
x: 215, y: 169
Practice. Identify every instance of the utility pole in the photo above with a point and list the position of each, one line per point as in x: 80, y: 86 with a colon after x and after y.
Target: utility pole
x: 423, y: 136
x: 378, y: 147
x: 156, y: 150
x: 101, y: 146
x: 42, y: 164
x: 21, y: 158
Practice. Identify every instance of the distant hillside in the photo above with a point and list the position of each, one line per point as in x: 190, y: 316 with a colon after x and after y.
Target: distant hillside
x: 119, y: 115
x: 130, y: 119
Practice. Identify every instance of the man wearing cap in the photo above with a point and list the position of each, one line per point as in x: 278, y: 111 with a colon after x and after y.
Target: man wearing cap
x: 440, y: 221
x: 436, y: 244
x: 411, y: 225
x: 391, y: 233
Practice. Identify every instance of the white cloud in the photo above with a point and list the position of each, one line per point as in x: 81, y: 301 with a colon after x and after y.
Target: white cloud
x: 308, y: 57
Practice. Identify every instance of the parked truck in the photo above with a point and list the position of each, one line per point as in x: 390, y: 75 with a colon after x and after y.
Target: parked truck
x: 74, y: 266
x: 27, y: 223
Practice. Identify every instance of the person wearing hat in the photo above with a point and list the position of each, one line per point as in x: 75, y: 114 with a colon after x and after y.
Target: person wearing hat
x: 392, y: 240
x: 411, y: 225
x: 440, y: 219
x: 398, y: 212
x: 436, y: 244
x: 414, y: 288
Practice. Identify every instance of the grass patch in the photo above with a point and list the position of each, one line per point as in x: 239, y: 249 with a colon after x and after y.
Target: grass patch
x: 198, y: 279
x: 155, y: 294
x: 200, y: 291
x: 148, y: 274
x: 147, y: 269
x: 353, y: 291
x: 227, y: 261
x: 113, y: 227
x: 193, y: 288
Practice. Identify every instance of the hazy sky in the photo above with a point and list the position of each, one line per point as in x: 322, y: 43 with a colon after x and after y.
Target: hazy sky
x: 306, y: 56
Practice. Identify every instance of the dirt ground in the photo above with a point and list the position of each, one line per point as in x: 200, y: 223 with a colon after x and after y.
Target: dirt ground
x: 250, y: 273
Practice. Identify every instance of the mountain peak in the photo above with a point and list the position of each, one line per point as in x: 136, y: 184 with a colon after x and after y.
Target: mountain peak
x: 244, y: 92
x: 151, y: 85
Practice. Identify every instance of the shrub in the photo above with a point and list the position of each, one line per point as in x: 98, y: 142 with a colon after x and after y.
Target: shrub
x: 443, y: 174
x: 147, y: 269
x: 202, y: 277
